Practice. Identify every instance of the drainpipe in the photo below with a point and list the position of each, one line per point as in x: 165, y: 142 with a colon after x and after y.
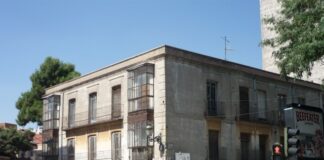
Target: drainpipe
x: 60, y: 127
x: 255, y: 116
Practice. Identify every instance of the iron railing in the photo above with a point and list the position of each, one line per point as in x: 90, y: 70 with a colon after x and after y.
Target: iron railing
x: 99, y: 155
x: 102, y: 114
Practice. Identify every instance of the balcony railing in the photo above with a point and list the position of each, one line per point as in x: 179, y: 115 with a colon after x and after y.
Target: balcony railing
x: 215, y: 109
x: 99, y: 155
x: 102, y: 114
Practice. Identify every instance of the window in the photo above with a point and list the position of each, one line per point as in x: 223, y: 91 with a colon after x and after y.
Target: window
x: 137, y: 134
x: 116, y: 101
x: 263, y: 146
x: 245, y: 145
x: 213, y: 145
x: 92, y: 148
x: 282, y: 102
x: 92, y: 107
x: 301, y: 100
x: 140, y: 88
x: 116, y: 146
x: 212, y: 98
x: 71, y: 116
x: 51, y: 112
x: 70, y: 149
x: 141, y: 153
x: 137, y: 141
x: 50, y: 147
x: 244, y: 103
x: 262, y: 107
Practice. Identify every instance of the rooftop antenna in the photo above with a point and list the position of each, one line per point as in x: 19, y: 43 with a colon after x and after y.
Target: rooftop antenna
x: 226, y: 41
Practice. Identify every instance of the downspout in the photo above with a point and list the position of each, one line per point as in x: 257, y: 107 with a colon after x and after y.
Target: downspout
x: 255, y: 116
x: 61, y: 126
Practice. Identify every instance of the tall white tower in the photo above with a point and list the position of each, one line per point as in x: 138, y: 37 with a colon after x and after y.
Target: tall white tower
x: 270, y: 8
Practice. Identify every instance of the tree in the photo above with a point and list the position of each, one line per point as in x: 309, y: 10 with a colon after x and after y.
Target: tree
x: 50, y: 73
x: 13, y: 141
x: 300, y: 36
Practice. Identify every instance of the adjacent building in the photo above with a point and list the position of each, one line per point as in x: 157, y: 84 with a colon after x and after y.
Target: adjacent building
x: 269, y: 8
x: 8, y: 125
x: 166, y: 101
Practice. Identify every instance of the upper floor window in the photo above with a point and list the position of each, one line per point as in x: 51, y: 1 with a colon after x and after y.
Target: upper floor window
x: 140, y: 88
x: 71, y: 114
x: 92, y: 107
x: 116, y: 101
x: 262, y: 105
x: 301, y: 100
x: 244, y: 103
x: 51, y: 112
x: 282, y: 102
x: 212, y: 98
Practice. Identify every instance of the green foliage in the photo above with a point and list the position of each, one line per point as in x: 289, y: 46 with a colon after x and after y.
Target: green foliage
x: 300, y: 39
x: 13, y: 141
x: 50, y: 73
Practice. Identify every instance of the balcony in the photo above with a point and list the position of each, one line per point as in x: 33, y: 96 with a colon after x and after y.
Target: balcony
x: 100, y: 154
x: 102, y: 114
x: 215, y: 109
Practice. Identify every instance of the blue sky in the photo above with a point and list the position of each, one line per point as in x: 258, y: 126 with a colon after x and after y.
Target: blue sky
x: 93, y: 34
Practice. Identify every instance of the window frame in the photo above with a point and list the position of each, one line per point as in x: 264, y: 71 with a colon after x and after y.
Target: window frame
x: 244, y: 104
x: 212, y: 100
x: 116, y: 107
x: 141, y: 88
x: 71, y: 156
x: 262, y: 114
x: 71, y: 116
x: 92, y: 152
x: 93, y: 102
x: 116, y: 154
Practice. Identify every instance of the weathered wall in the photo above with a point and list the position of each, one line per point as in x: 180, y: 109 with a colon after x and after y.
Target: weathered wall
x: 187, y: 124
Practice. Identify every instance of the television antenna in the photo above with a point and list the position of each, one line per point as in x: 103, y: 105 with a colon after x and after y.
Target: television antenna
x: 226, y: 49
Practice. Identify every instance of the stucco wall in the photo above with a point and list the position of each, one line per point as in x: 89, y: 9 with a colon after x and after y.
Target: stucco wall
x: 103, y: 88
x: 187, y: 124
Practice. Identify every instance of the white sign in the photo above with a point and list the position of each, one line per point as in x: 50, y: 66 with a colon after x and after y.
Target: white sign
x: 310, y: 125
x: 308, y: 122
x: 182, y: 156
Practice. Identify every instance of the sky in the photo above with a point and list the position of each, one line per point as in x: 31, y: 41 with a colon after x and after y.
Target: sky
x: 94, y: 34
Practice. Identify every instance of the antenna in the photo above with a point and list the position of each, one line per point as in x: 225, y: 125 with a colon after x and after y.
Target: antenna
x: 226, y: 41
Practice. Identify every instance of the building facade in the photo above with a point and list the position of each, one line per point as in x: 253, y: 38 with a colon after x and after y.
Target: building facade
x: 168, y: 101
x: 269, y: 8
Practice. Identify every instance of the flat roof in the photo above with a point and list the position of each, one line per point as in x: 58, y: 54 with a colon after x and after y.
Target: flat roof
x: 174, y: 51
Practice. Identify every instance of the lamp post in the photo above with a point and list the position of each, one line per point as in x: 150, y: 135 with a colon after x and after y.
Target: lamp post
x: 152, y: 138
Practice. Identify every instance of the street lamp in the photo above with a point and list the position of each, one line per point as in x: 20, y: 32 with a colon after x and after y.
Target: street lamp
x: 151, y: 138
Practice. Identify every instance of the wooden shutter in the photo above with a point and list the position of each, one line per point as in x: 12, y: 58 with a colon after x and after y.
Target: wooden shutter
x: 116, y: 146
x: 92, y: 148
x: 116, y: 101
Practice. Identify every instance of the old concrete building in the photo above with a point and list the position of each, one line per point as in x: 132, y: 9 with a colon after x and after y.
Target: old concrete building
x: 187, y: 102
x: 269, y: 8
